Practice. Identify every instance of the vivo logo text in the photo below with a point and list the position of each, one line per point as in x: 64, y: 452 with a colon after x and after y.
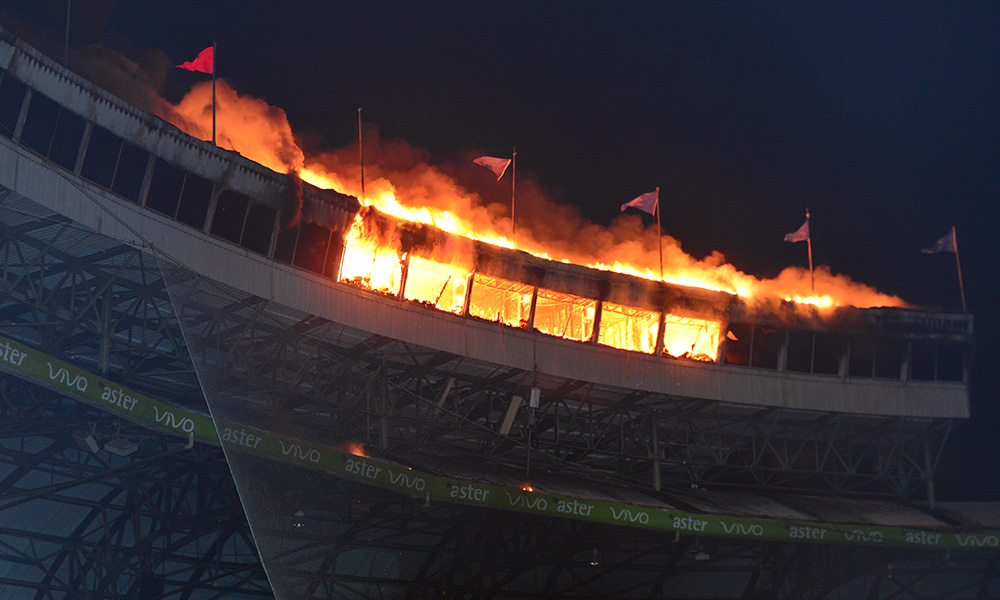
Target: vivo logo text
x: 77, y: 382
x: 977, y: 541
x: 755, y: 530
x: 856, y: 535
x: 628, y: 516
x: 296, y: 451
x: 535, y: 503
x: 404, y: 480
x: 169, y: 419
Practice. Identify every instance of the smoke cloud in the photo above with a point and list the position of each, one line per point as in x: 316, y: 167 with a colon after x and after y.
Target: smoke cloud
x: 454, y: 194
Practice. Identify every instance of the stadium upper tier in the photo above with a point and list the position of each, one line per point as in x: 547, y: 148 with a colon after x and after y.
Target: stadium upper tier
x: 91, y: 157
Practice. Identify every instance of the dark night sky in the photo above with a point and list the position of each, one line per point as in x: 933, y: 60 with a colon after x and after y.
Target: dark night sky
x: 882, y: 117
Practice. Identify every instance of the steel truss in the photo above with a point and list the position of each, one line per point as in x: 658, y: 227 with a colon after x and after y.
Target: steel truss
x: 163, y: 522
x: 333, y: 538
x: 154, y: 517
x: 102, y: 305
x: 91, y: 301
x: 320, y: 378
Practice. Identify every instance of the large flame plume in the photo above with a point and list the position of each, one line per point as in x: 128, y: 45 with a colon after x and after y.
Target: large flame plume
x: 402, y: 181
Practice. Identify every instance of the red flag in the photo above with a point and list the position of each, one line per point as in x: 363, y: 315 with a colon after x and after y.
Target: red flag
x: 497, y: 165
x: 205, y: 63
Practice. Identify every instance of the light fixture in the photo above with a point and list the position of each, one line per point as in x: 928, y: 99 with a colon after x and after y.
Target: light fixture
x: 701, y: 554
x: 298, y: 519
x: 121, y: 447
x: 85, y: 441
x: 594, y: 557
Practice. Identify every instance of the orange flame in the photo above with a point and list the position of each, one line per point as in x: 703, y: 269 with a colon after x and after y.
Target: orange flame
x: 355, y: 448
x: 402, y: 182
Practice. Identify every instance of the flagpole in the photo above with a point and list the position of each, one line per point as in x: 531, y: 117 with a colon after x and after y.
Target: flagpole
x: 361, y: 153
x: 513, y: 192
x: 958, y: 264
x: 809, y: 242
x: 69, y: 6
x: 214, y: 61
x: 659, y: 232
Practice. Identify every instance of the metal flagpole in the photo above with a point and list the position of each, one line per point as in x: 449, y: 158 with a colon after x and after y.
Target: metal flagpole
x: 809, y: 242
x: 213, y: 90
x: 66, y: 48
x: 958, y: 264
x: 361, y: 153
x: 513, y: 193
x: 659, y: 232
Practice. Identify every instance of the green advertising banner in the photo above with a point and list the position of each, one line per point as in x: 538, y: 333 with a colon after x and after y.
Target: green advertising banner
x: 109, y: 396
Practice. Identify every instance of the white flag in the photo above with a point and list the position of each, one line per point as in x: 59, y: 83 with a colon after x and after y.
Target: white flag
x: 945, y: 244
x: 645, y: 202
x: 497, y: 165
x: 799, y: 235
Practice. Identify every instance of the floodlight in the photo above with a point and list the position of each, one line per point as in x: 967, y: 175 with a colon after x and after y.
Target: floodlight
x: 121, y: 447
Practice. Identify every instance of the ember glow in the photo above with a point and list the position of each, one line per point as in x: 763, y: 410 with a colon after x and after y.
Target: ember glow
x: 402, y: 182
x: 355, y: 448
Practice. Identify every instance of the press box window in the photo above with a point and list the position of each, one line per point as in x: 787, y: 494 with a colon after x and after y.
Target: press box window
x: 240, y: 222
x: 753, y: 345
x: 195, y: 199
x: 179, y: 194
x: 230, y: 214
x: 800, y: 351
x: 437, y: 284
x: 113, y: 163
x: 951, y: 362
x: 258, y: 228
x: 53, y: 131
x: 500, y: 300
x: 628, y: 327
x: 165, y: 188
x: 311, y: 250
x: 923, y: 360
x: 564, y: 315
x: 862, y: 363
x: 932, y: 360
x: 737, y: 347
x: 765, y: 348
x: 814, y: 352
x: 284, y: 246
x: 11, y: 98
x: 828, y: 353
x: 889, y: 355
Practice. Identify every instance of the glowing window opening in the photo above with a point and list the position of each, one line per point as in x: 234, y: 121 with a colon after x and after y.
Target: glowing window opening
x: 689, y: 337
x: 629, y: 328
x: 367, y: 264
x: 500, y: 300
x: 436, y: 284
x: 564, y: 315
